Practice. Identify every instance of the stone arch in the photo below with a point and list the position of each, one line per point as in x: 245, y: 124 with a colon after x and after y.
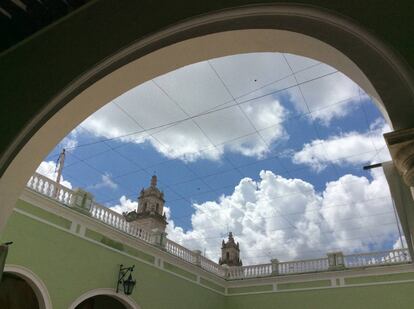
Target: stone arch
x: 128, y: 302
x: 34, y: 282
x: 296, y: 29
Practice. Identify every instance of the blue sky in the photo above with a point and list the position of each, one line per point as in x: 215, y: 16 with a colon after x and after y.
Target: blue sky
x: 270, y: 146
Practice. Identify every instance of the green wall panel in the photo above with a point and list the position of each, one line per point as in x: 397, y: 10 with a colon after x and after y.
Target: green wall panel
x: 118, y: 246
x: 304, y: 285
x: 399, y: 296
x: 179, y: 271
x: 139, y: 254
x: 43, y: 214
x: 250, y: 289
x: 212, y: 285
x: 71, y: 266
x: 382, y: 278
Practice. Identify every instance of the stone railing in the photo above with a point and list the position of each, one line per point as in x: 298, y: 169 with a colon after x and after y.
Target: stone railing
x: 251, y: 271
x: 303, y: 266
x: 333, y: 261
x: 212, y: 267
x: 397, y: 256
x: 180, y: 251
x: 50, y: 188
x: 109, y: 217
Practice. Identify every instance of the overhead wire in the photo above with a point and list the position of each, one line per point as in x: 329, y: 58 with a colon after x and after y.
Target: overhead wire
x: 211, y: 111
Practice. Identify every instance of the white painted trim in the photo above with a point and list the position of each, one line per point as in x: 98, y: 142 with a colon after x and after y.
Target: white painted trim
x: 126, y: 254
x: 38, y: 200
x: 125, y: 300
x: 326, y: 287
x: 394, y: 269
x: 35, y: 283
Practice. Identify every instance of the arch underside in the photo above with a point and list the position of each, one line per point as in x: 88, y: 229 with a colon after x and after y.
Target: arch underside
x: 277, y: 28
x: 128, y: 302
x: 37, y: 285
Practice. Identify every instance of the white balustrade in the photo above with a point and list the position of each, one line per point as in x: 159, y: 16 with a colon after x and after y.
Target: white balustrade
x: 304, y: 266
x: 180, y: 251
x: 397, y: 256
x: 212, y: 267
x: 51, y: 189
x: 251, y: 271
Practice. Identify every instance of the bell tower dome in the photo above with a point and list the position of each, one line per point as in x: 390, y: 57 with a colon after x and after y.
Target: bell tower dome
x: 150, y: 212
x: 230, y: 252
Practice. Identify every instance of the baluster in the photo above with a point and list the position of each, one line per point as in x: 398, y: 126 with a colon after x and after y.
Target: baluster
x: 40, y: 185
x: 51, y: 190
x: 96, y: 212
x: 47, y: 188
x: 35, y: 182
x: 29, y: 183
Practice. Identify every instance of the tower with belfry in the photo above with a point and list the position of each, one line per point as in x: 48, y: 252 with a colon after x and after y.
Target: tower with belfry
x: 230, y: 252
x: 150, y: 212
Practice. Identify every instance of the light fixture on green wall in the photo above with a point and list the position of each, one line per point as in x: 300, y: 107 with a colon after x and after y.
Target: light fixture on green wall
x: 128, y: 283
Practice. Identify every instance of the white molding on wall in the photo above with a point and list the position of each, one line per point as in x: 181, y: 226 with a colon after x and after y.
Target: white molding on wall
x: 124, y: 299
x: 160, y: 256
x: 35, y: 283
x: 52, y: 206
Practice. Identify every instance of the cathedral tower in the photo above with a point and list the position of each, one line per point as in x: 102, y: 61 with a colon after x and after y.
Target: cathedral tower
x: 150, y: 212
x: 230, y: 252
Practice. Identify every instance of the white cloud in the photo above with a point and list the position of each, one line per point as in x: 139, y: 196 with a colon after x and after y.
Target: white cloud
x: 106, y: 182
x: 197, y: 90
x: 329, y: 97
x: 348, y: 148
x: 287, y: 219
x: 400, y: 243
x: 48, y: 169
x: 125, y: 205
x: 71, y: 140
x: 194, y: 90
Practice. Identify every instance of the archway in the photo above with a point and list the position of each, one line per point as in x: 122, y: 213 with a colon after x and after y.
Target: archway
x: 21, y: 288
x: 104, y: 298
x: 299, y: 30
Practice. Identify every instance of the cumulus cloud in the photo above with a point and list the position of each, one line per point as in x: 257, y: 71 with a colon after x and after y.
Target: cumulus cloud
x: 347, y: 148
x: 71, y: 140
x: 286, y: 219
x: 106, y: 182
x: 400, y: 243
x: 49, y: 170
x: 282, y: 218
x: 331, y: 96
x: 188, y: 114
x: 125, y: 205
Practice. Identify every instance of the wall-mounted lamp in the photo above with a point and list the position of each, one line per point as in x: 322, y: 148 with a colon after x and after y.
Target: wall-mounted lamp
x: 128, y: 283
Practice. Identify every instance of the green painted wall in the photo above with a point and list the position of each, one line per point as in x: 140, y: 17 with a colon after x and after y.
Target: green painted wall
x: 71, y: 266
x: 376, y: 297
